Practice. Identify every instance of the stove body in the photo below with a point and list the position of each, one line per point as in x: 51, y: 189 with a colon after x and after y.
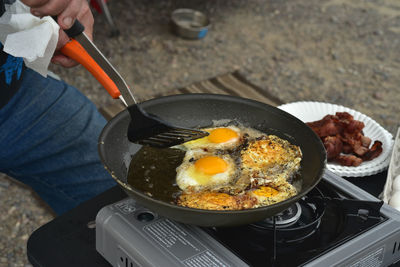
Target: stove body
x: 130, y: 235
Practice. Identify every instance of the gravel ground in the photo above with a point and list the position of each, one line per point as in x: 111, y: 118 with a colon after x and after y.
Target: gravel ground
x: 337, y: 51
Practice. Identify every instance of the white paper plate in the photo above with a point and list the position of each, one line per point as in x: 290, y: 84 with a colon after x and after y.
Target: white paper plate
x: 312, y: 111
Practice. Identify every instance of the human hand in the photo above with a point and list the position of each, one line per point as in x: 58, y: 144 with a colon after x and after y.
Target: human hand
x: 67, y: 11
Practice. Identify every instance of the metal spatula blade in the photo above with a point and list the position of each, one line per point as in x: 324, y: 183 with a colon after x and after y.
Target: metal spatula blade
x: 155, y: 132
x: 144, y: 128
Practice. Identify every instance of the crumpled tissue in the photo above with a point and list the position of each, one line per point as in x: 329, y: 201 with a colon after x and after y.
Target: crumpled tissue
x: 27, y: 36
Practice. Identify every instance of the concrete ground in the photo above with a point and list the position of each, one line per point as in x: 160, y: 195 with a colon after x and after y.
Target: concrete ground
x: 337, y: 51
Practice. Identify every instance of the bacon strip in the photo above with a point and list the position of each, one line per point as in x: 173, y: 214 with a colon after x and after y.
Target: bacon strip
x: 333, y: 146
x: 374, y: 151
x: 348, y: 160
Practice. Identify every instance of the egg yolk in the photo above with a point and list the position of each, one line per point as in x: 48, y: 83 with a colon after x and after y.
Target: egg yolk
x: 266, y: 191
x: 222, y: 135
x: 211, y: 165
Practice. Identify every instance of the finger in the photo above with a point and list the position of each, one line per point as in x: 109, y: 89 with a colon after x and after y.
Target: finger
x: 34, y: 3
x: 62, y: 39
x: 58, y: 57
x: 64, y: 61
x: 85, y: 16
x: 67, y: 17
x: 52, y: 8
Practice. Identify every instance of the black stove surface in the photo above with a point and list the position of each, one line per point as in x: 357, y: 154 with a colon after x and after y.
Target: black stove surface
x: 327, y: 218
x: 67, y: 240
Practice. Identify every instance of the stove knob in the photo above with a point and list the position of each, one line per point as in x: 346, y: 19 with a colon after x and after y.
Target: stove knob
x: 145, y: 217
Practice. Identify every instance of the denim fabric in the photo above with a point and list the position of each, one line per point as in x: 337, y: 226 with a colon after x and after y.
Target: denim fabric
x: 48, y: 140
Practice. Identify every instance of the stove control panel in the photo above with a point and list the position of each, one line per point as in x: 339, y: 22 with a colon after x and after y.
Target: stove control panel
x: 129, y: 235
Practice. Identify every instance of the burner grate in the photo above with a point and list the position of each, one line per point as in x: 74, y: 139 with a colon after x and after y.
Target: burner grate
x: 323, y: 222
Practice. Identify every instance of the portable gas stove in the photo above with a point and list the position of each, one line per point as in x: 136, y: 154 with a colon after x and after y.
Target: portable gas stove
x: 336, y: 224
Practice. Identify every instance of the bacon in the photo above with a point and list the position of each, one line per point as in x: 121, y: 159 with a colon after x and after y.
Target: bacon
x: 366, y: 141
x: 348, y: 160
x: 374, y: 151
x: 344, y: 116
x: 347, y: 148
x: 360, y: 150
x: 354, y: 126
x: 333, y: 146
x: 340, y: 133
x: 326, y: 127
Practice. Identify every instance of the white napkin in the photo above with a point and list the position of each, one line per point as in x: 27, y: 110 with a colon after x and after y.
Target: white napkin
x: 27, y: 36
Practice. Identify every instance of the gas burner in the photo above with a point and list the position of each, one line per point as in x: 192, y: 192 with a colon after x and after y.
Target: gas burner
x: 284, y: 219
x: 296, y: 223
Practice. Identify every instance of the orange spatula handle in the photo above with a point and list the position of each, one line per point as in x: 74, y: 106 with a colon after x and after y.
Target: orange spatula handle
x: 75, y: 51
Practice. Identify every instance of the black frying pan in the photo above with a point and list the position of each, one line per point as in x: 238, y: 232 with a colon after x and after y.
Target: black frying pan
x: 194, y: 110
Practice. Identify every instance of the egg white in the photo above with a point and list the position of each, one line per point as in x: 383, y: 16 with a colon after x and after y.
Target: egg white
x: 189, y: 178
x: 205, y: 143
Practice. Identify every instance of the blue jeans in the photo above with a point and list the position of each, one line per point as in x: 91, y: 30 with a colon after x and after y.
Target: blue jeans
x: 48, y: 140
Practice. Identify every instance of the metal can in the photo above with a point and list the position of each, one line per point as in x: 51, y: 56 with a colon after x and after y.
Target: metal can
x: 189, y: 23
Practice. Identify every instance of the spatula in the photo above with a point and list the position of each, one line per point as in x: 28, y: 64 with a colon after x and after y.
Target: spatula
x: 144, y: 128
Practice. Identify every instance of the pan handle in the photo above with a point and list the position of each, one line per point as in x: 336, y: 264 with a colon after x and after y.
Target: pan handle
x: 74, y: 50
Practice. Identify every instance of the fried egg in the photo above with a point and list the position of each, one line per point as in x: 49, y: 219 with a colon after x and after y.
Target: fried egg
x: 201, y: 170
x: 219, y: 138
x: 262, y: 196
x: 237, y: 168
x: 272, y: 193
x: 208, y: 200
x: 270, y: 158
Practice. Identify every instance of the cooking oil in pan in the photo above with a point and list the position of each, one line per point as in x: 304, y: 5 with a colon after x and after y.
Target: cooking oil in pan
x: 153, y: 171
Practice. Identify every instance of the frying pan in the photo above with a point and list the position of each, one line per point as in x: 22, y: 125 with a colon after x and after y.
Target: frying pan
x: 199, y: 110
x: 191, y: 111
